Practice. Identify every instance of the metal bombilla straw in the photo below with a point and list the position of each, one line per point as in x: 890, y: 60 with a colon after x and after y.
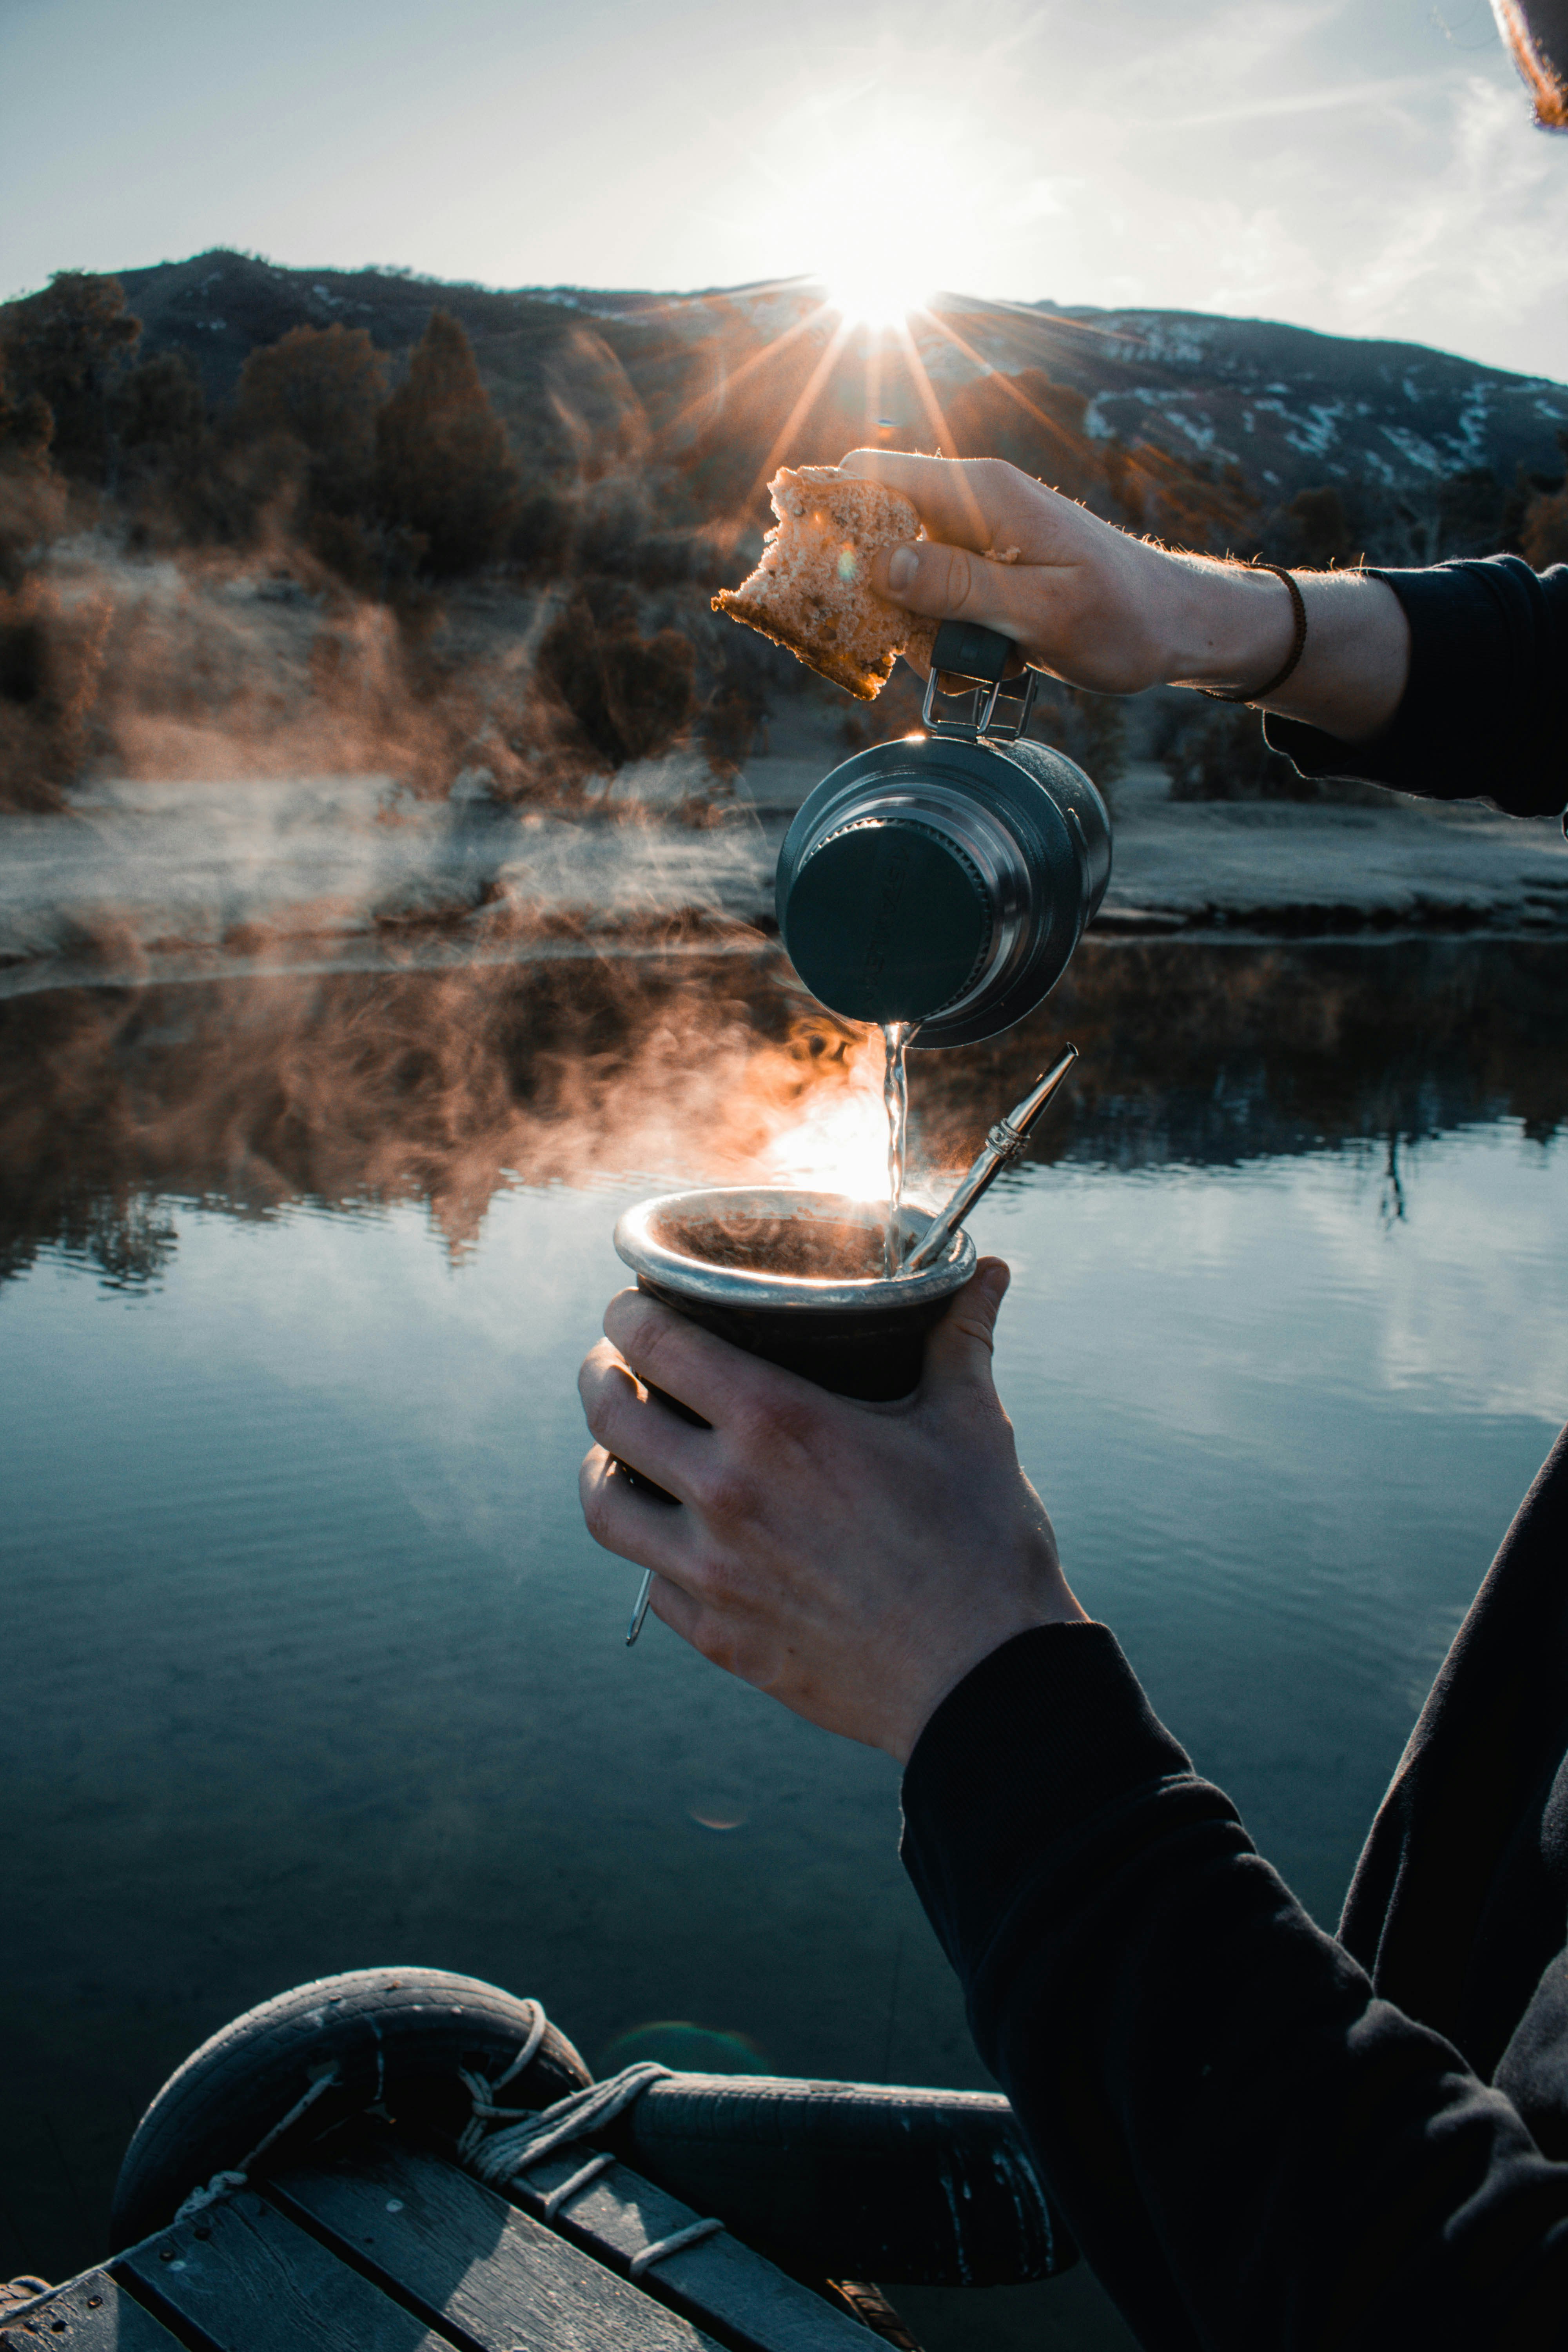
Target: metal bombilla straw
x: 639, y: 1607
x: 1000, y: 1146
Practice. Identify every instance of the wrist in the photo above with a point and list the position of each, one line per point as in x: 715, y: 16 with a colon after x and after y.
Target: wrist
x: 1058, y: 1605
x: 1229, y: 626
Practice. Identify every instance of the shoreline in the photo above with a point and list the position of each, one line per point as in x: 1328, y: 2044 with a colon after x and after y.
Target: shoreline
x: 152, y: 882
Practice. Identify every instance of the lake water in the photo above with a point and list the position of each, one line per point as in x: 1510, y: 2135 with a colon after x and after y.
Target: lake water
x: 311, y: 1664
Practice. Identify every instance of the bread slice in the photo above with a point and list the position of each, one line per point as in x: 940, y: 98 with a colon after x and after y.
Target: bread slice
x: 812, y: 591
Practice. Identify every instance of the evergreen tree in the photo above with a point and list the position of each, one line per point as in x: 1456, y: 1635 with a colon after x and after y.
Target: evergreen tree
x: 443, y: 465
x: 66, y: 346
x: 27, y: 424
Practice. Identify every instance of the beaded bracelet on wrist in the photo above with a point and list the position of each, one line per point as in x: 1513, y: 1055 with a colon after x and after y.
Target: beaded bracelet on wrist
x: 1298, y: 647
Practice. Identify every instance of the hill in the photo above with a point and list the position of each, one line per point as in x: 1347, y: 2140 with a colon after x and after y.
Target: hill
x: 1134, y: 410
x: 454, y: 532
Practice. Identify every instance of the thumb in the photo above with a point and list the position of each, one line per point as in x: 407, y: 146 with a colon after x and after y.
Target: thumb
x: 959, y: 1349
x: 949, y: 583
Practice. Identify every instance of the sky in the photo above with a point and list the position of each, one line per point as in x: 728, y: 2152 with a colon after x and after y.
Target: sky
x: 1366, y: 167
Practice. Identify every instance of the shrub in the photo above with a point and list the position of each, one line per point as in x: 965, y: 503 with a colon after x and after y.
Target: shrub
x: 1221, y: 755
x: 223, y: 491
x: 52, y: 657
x: 32, y: 507
x: 631, y: 695
x: 1543, y: 538
x: 1323, y: 534
x: 1091, y: 728
x: 321, y: 387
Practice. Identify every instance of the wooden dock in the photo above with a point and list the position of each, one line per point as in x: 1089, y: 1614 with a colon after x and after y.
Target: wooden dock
x: 372, y: 2243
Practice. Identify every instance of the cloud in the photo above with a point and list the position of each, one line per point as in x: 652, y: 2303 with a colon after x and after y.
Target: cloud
x: 1484, y: 248
x: 1307, y: 102
x: 1038, y: 199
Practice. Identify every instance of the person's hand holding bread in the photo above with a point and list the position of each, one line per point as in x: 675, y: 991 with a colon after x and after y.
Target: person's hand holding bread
x: 870, y: 556
x: 1078, y: 597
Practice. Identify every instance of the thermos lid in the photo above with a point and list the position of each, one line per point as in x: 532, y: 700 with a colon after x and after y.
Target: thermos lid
x: 886, y: 921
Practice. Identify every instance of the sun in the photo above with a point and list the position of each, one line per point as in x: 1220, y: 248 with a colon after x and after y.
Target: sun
x: 875, y: 271
x: 879, y: 294
x: 882, y: 206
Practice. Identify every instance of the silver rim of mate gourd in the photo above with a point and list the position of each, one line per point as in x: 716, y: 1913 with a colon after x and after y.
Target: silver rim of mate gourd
x: 644, y: 1242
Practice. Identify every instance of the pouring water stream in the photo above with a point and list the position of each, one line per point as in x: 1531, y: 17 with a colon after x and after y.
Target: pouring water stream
x: 896, y: 1036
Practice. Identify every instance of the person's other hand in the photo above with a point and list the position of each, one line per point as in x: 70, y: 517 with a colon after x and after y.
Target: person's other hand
x: 855, y: 1560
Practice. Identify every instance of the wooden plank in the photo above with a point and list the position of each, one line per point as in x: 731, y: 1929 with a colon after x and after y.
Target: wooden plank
x: 88, y: 2314
x: 719, y: 2283
x: 482, y: 2271
x: 253, y: 2281
x: 720, y: 2279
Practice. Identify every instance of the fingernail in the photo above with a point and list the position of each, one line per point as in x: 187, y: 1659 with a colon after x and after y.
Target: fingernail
x: 902, y: 565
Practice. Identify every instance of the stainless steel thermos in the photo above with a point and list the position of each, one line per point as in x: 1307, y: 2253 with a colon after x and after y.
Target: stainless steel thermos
x: 947, y: 878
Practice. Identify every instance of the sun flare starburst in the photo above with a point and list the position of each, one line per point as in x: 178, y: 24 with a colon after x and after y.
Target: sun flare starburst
x: 879, y: 294
x: 880, y: 196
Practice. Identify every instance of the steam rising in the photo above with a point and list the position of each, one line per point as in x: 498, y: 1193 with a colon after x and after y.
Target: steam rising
x: 661, y: 1068
x: 216, y: 667
x: 447, y: 1086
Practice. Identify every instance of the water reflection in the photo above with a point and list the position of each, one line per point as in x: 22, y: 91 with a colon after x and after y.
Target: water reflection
x: 450, y: 1086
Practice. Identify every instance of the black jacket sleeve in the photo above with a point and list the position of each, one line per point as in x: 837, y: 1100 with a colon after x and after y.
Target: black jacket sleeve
x: 1485, y: 713
x: 1250, y: 2146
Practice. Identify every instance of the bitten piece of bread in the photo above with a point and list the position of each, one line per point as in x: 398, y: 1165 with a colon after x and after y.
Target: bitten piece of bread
x: 812, y: 591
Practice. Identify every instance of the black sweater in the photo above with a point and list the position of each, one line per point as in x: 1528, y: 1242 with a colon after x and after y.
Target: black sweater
x: 1485, y: 712
x: 1265, y: 2137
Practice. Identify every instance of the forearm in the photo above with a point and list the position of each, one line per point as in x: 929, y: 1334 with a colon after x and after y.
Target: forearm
x: 1249, y: 2147
x: 1230, y: 626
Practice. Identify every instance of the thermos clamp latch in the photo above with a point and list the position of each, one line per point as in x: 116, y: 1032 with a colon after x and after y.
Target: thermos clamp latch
x: 978, y: 657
